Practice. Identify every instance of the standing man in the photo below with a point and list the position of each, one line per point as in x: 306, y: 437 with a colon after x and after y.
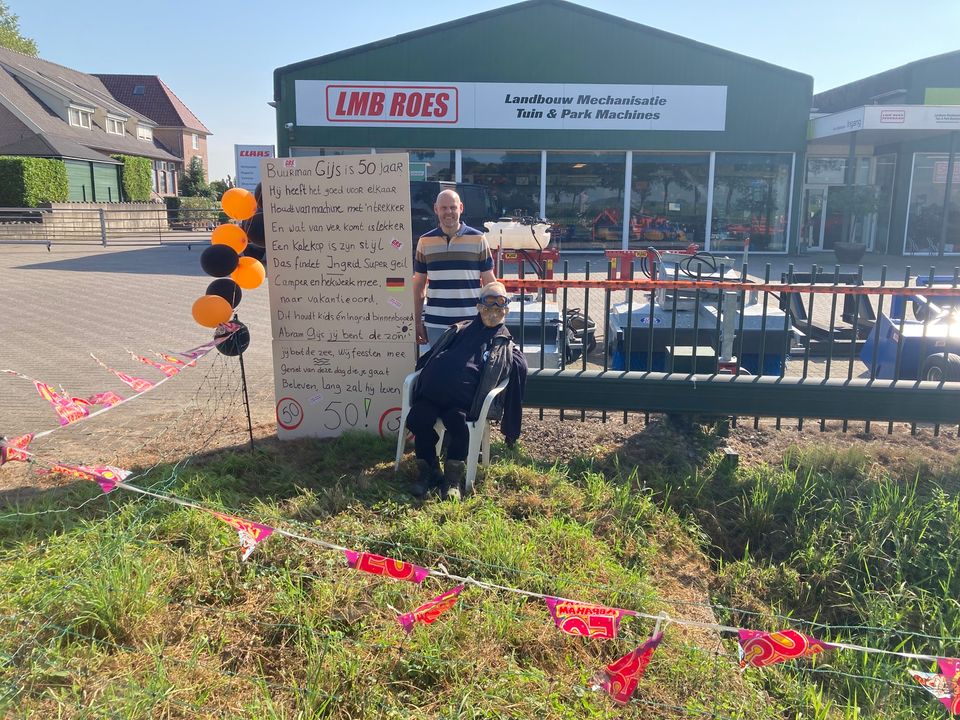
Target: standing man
x: 452, y: 263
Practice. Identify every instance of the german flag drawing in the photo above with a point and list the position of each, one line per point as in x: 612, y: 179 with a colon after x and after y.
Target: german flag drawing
x: 396, y: 284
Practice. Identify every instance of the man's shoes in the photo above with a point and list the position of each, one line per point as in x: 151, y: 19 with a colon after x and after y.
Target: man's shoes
x: 454, y: 474
x: 428, y: 476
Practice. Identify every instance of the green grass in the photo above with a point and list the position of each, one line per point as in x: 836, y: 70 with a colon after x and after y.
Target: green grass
x: 128, y: 607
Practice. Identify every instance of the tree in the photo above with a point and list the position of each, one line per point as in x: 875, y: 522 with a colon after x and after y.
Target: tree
x: 10, y: 36
x: 219, y: 187
x: 194, y: 182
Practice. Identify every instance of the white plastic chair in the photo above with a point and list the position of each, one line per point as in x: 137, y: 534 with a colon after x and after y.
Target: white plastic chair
x: 479, y: 430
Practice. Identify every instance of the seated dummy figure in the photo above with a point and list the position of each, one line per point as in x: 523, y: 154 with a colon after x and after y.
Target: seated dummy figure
x: 469, y: 360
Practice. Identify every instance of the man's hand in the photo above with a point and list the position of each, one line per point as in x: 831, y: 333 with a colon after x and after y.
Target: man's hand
x: 421, y: 332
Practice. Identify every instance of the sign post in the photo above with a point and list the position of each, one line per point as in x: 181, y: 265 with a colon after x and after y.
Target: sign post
x: 247, y: 164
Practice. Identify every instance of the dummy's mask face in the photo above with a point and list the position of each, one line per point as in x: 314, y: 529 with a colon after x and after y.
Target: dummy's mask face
x: 493, y: 310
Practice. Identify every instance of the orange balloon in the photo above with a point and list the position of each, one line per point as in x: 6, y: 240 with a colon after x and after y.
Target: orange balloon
x: 238, y: 203
x: 249, y: 273
x: 211, y: 310
x: 229, y: 234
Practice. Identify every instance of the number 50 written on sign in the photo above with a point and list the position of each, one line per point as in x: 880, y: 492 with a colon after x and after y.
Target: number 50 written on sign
x: 337, y: 413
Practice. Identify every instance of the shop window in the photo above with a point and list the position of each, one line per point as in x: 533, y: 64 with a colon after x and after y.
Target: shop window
x: 582, y: 187
x: 668, y: 202
x: 321, y: 152
x: 926, y: 205
x: 428, y: 164
x: 513, y: 179
x: 751, y: 193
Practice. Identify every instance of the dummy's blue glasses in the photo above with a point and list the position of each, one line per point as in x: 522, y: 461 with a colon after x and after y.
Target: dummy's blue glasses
x: 494, y: 302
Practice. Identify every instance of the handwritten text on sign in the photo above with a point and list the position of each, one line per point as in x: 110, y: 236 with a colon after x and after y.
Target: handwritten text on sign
x: 339, y: 265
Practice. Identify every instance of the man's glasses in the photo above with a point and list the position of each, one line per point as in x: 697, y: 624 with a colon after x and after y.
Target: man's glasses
x: 494, y: 302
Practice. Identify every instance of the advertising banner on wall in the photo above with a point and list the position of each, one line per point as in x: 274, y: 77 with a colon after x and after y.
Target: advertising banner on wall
x: 341, y: 304
x: 247, y: 164
x: 533, y: 106
x: 887, y: 117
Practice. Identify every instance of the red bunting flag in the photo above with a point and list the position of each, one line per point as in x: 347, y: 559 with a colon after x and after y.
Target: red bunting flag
x: 138, y: 384
x: 166, y: 369
x: 760, y: 649
x: 106, y: 399
x: 945, y: 685
x: 250, y: 533
x: 621, y: 676
x: 379, y: 565
x: 430, y: 611
x: 67, y: 409
x: 592, y: 621
x: 14, y: 449
x: 106, y: 476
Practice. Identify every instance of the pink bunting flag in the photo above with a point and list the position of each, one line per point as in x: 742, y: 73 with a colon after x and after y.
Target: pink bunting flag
x: 106, y: 476
x: 106, y: 399
x: 173, y: 360
x: 430, y: 611
x: 165, y: 368
x: 250, y: 533
x: 198, y: 352
x: 591, y: 621
x: 621, y: 676
x: 944, y: 685
x: 14, y: 449
x: 379, y: 565
x: 759, y: 649
x: 138, y: 384
x: 68, y: 411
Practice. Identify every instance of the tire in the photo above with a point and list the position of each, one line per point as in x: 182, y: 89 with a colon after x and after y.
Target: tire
x: 936, y: 368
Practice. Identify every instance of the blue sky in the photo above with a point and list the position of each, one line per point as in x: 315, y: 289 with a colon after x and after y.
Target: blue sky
x: 219, y: 56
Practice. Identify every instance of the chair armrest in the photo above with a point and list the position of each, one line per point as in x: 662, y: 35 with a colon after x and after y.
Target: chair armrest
x: 488, y: 400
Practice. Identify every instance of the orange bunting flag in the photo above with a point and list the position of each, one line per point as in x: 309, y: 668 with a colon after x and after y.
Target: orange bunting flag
x: 251, y: 533
x: 67, y: 409
x: 620, y: 677
x: 759, y: 649
x: 944, y: 685
x: 106, y: 399
x: 430, y: 611
x: 591, y: 621
x: 106, y: 476
x: 379, y: 565
x: 138, y: 384
x: 14, y: 450
x: 168, y: 370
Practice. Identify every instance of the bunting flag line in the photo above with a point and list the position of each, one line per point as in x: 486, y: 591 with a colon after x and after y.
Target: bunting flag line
x: 621, y: 676
x: 590, y: 621
x: 379, y: 565
x: 250, y: 533
x: 167, y: 369
x: 106, y: 476
x: 944, y: 685
x: 759, y: 649
x: 430, y: 611
x: 106, y: 399
x: 67, y: 410
x: 173, y: 360
x: 138, y: 384
x: 200, y: 350
x: 13, y: 450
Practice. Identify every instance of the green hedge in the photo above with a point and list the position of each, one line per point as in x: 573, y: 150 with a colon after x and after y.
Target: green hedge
x: 136, y: 175
x: 29, y: 181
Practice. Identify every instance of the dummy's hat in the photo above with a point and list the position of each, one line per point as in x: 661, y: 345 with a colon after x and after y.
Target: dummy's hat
x: 494, y: 289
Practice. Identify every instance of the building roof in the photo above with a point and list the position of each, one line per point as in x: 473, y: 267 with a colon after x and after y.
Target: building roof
x: 24, y: 83
x: 148, y: 94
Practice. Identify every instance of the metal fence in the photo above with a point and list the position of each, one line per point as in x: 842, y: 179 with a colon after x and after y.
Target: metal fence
x: 106, y: 226
x: 706, y: 339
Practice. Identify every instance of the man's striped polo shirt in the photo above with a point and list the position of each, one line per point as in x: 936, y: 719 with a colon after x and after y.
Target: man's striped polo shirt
x: 453, y: 268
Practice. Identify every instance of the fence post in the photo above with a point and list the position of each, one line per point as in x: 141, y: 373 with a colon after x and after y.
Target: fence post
x: 103, y: 227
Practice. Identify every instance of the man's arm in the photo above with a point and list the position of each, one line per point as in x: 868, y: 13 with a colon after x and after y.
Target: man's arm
x: 419, y: 294
x: 487, y: 276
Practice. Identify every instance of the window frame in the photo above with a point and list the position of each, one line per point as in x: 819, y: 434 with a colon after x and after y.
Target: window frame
x: 80, y: 114
x: 144, y: 133
x: 119, y: 125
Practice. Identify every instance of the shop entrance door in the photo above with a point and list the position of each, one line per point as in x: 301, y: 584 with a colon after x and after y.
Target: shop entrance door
x: 814, y: 204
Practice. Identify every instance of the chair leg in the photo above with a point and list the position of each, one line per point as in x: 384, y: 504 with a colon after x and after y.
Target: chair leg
x: 401, y: 439
x: 485, y: 444
x: 441, y: 430
x: 476, y: 440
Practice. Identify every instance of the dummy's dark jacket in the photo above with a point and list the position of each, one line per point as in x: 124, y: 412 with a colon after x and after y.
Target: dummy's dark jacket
x: 505, y: 359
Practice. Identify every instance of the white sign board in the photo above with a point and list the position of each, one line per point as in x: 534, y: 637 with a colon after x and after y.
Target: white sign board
x: 888, y: 117
x: 522, y: 106
x: 339, y: 266
x: 247, y: 164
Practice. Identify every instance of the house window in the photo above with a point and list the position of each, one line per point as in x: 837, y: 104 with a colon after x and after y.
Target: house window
x: 144, y: 133
x: 80, y: 118
x: 115, y: 127
x: 139, y: 89
x: 195, y: 139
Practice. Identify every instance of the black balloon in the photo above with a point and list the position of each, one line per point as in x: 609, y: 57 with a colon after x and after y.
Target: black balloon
x: 237, y: 343
x: 227, y: 289
x: 219, y: 260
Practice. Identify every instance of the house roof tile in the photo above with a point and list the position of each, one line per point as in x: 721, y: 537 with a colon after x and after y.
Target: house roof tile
x: 157, y: 101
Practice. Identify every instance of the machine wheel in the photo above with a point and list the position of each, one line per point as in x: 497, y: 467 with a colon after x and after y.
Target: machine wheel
x: 936, y: 368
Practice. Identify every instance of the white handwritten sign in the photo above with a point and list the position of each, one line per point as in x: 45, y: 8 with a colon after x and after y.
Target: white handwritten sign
x: 343, y: 329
